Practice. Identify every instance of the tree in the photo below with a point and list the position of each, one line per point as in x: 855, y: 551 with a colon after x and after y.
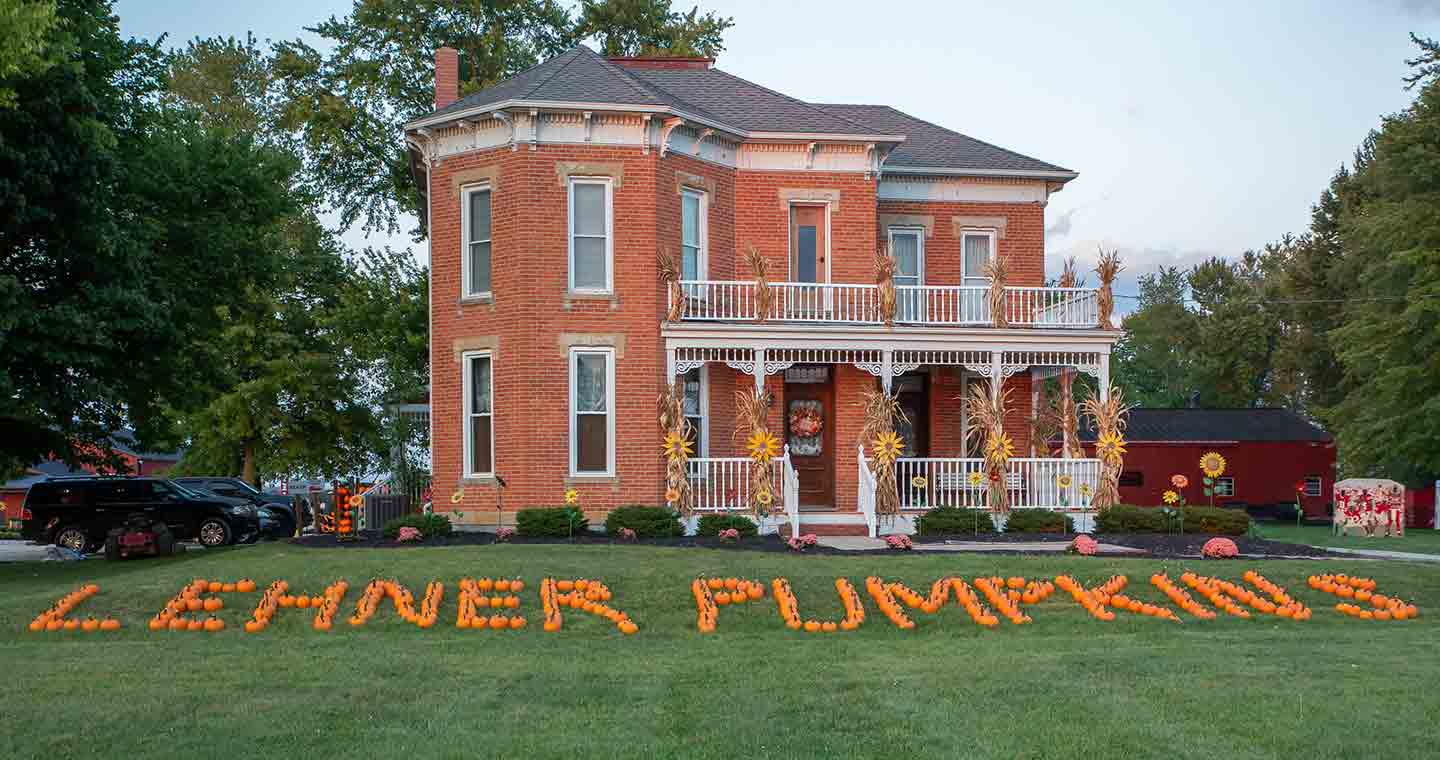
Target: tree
x: 1152, y: 358
x: 25, y: 26
x: 651, y: 27
x: 1388, y: 420
x: 1235, y: 333
x: 350, y: 104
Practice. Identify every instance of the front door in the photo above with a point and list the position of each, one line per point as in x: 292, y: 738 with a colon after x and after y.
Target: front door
x: 810, y: 433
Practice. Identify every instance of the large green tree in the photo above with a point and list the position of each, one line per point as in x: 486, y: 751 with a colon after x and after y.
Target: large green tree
x: 349, y: 97
x: 1152, y: 361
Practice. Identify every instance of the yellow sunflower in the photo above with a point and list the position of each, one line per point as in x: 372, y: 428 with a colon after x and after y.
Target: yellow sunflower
x: 1085, y: 490
x: 1064, y: 481
x: 458, y: 496
x: 1170, y: 497
x: 1212, y: 464
x: 672, y: 495
x: 919, y: 481
x: 1110, y: 447
x: 1000, y: 447
x: 975, y: 478
x: 676, y: 446
x: 764, y: 498
x: 763, y: 446
x: 888, y: 447
x: 572, y: 497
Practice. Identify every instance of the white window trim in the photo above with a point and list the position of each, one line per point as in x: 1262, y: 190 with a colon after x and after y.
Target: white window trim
x: 1231, y: 481
x: 1319, y: 485
x: 994, y: 251
x: 919, y: 233
x: 610, y: 413
x: 702, y: 257
x: 466, y: 413
x: 465, y: 292
x: 609, y: 186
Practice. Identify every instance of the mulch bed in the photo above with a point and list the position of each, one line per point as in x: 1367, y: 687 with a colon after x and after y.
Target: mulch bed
x: 1155, y: 545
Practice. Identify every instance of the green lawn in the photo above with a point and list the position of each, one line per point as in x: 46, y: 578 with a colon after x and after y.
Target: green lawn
x: 1418, y: 540
x: 1065, y: 686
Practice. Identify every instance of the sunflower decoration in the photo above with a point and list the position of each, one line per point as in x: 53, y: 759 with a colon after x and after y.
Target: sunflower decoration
x: 1179, y: 481
x: 888, y: 447
x: 919, y: 481
x: 1170, y: 497
x: 763, y: 446
x: 572, y: 497
x: 458, y: 496
x: 1212, y: 464
x: 1000, y: 447
x: 677, y: 445
x: 672, y: 495
x: 975, y: 478
x: 1111, y: 447
x: 1064, y: 481
x: 764, y: 498
x: 1086, y: 490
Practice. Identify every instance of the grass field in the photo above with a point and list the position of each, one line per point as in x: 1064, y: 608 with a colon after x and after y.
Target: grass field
x: 1064, y: 686
x: 1418, y: 540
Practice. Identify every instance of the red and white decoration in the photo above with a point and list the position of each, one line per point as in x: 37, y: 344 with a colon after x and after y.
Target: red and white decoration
x: 1371, y: 506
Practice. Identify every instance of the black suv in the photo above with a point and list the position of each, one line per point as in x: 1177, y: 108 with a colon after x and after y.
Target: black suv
x: 235, y: 488
x: 78, y: 512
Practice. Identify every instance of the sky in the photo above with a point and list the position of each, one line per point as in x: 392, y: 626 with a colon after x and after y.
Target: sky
x: 1199, y: 129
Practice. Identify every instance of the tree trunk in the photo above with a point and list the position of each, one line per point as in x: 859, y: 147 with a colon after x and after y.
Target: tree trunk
x: 247, y: 470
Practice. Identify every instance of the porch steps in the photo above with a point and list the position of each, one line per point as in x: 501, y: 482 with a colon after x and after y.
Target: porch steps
x: 829, y: 524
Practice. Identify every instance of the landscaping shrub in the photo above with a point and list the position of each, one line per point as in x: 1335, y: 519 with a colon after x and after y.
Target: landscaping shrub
x: 553, y: 522
x: 428, y: 525
x: 1126, y: 518
x: 1225, y: 522
x: 711, y: 525
x: 1039, y: 521
x: 647, y: 522
x: 943, y: 521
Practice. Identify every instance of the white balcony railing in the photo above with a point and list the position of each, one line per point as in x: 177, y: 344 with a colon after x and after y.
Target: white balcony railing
x: 841, y: 303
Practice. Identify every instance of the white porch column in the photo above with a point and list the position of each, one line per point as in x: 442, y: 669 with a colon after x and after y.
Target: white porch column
x: 1105, y: 376
x: 670, y: 366
x: 996, y: 379
x: 759, y: 370
x: 887, y: 362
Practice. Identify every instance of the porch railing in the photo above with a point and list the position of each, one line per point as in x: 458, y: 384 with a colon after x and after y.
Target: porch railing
x: 845, y: 303
x: 721, y: 485
x: 1031, y: 483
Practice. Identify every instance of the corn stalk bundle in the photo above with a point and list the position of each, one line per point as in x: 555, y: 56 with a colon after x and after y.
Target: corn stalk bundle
x: 1070, y: 276
x: 998, y: 271
x: 760, y: 268
x: 1108, y: 269
x: 752, y: 408
x: 879, y: 411
x: 986, y: 410
x: 669, y: 267
x: 885, y: 281
x: 1109, y: 418
x: 678, y: 437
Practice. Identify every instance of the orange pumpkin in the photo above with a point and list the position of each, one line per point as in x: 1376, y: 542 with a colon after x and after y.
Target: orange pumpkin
x: 245, y: 585
x: 517, y: 622
x: 195, y: 625
x: 628, y: 628
x: 214, y: 586
x: 90, y: 624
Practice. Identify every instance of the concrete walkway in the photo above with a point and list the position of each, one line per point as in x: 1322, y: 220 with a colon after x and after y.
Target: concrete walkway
x: 1384, y: 554
x: 863, y: 543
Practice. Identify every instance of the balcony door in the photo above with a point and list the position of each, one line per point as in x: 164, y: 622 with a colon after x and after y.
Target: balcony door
x: 809, y: 249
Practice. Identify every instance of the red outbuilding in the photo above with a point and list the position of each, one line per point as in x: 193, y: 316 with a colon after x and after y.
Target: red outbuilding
x: 1269, y: 454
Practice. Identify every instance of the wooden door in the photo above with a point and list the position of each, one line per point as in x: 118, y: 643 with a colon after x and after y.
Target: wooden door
x: 912, y: 392
x: 810, y: 405
x: 808, y: 244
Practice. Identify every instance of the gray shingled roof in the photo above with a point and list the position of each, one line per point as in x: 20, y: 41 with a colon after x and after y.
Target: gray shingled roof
x: 1266, y: 424
x: 579, y: 75
x: 932, y: 146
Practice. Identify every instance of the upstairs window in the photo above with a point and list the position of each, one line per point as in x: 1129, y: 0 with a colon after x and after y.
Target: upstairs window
x: 476, y: 232
x: 692, y: 235
x: 907, y: 247
x: 976, y: 248
x: 591, y: 243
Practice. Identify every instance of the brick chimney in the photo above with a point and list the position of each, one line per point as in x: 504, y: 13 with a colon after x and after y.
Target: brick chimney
x: 447, y: 76
x: 661, y: 62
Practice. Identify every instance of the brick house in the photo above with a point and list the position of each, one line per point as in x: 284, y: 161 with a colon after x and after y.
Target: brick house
x: 548, y: 196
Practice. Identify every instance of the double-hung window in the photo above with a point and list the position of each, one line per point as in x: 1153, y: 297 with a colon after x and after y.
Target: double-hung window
x: 476, y: 232
x: 692, y: 235
x: 1313, y: 485
x: 695, y: 408
x: 1225, y: 487
x: 907, y: 247
x: 479, y: 415
x: 591, y: 235
x: 592, y: 411
x: 976, y: 248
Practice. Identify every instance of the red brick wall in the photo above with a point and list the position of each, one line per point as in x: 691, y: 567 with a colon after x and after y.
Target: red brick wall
x: 531, y: 310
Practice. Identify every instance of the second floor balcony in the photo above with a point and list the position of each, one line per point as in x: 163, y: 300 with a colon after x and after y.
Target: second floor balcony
x: 859, y: 304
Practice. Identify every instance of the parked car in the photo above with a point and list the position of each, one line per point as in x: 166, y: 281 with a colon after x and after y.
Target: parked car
x: 78, y: 512
x: 235, y: 488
